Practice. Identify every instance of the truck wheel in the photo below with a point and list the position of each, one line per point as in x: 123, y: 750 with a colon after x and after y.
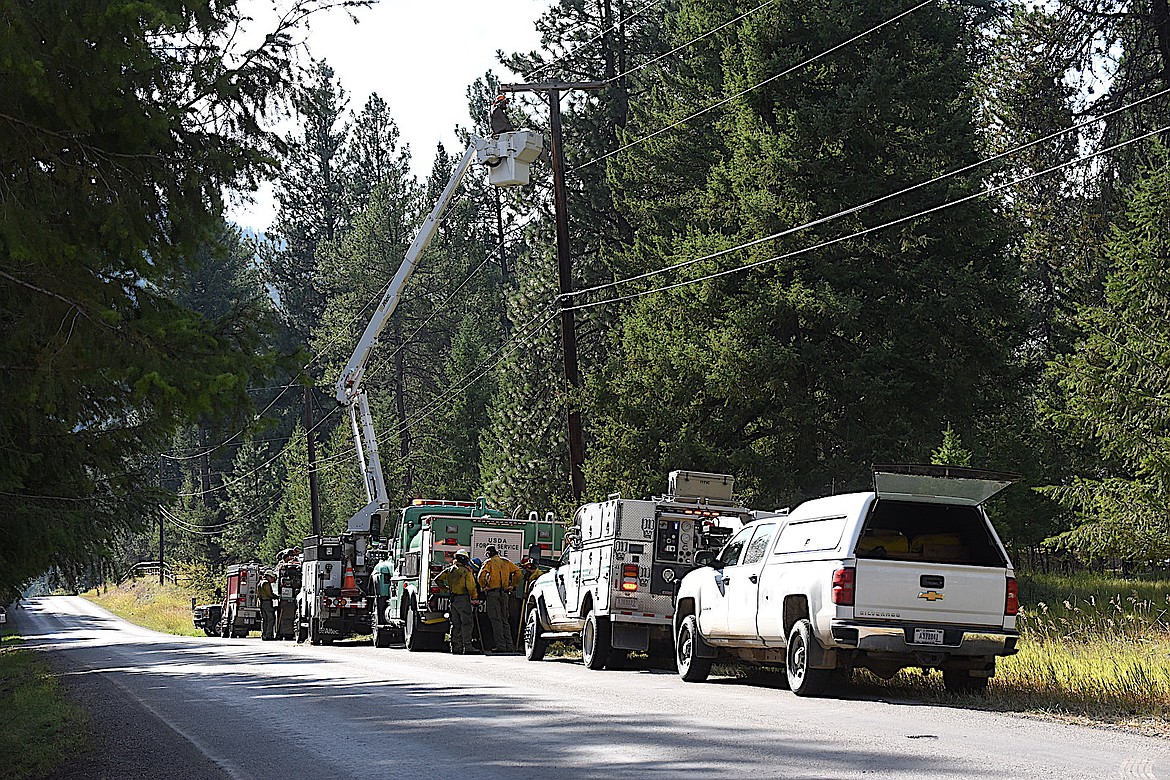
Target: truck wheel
x: 210, y: 631
x: 802, y: 678
x: 300, y: 630
x: 961, y: 681
x: 415, y: 640
x: 535, y: 644
x: 691, y: 666
x: 595, y: 641
x: 381, y: 633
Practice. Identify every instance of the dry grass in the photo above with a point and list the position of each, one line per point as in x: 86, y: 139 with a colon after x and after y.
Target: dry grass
x: 165, y: 607
x: 1092, y: 648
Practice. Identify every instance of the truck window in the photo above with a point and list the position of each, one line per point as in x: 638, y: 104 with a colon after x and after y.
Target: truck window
x: 729, y: 555
x: 928, y: 532
x: 811, y: 535
x: 759, y: 544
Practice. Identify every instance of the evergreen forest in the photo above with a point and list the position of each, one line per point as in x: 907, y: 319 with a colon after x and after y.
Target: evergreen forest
x: 805, y: 238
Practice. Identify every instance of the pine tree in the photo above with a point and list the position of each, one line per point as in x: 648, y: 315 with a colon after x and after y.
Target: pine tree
x: 311, y: 194
x: 115, y: 179
x: 798, y: 374
x: 1114, y: 387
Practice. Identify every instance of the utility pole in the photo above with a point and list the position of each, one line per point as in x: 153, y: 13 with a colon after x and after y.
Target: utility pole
x: 161, y: 519
x: 311, y: 446
x: 553, y: 91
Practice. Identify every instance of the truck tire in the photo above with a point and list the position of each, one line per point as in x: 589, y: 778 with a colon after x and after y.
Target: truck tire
x: 210, y: 631
x: 802, y: 678
x: 416, y: 638
x: 301, y: 629
x: 535, y: 644
x: 961, y: 681
x: 596, y: 641
x: 691, y: 666
x: 381, y: 633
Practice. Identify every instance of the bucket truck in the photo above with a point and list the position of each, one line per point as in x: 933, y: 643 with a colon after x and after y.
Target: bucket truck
x: 335, y: 598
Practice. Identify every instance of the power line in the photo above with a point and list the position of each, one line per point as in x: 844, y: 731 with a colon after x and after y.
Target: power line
x: 867, y: 231
x: 742, y: 92
x: 246, y: 474
x: 467, y: 379
x: 863, y: 206
x: 691, y: 42
x: 579, y: 49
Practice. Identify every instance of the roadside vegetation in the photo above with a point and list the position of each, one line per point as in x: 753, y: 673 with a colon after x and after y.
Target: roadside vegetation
x: 1092, y: 647
x: 161, y: 607
x: 39, y: 729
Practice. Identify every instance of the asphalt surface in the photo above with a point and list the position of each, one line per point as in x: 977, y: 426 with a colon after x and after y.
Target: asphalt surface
x: 166, y: 706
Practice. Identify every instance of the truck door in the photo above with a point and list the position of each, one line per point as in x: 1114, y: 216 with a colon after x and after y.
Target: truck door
x: 713, y: 594
x: 744, y: 589
x: 555, y: 597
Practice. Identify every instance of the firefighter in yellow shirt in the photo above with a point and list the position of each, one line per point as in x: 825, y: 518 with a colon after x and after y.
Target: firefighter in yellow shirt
x: 498, y: 579
x: 460, y: 582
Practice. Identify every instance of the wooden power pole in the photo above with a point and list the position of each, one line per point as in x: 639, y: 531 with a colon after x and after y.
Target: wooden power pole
x: 553, y: 91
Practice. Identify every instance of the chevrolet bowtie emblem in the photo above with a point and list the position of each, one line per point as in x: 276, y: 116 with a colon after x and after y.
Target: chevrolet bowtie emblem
x: 931, y: 595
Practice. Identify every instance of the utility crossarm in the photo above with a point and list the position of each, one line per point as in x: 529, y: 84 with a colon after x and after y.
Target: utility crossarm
x: 508, y: 156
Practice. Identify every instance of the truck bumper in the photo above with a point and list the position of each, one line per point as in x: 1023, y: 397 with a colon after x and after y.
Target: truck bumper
x: 899, y: 639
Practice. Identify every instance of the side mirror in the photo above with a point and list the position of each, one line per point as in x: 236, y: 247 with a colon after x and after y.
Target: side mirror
x: 705, y: 558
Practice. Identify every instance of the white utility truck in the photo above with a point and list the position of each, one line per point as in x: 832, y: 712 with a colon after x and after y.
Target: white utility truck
x: 909, y: 575
x: 623, y: 558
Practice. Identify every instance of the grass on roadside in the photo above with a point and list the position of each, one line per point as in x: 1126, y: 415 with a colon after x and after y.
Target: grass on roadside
x: 1091, y: 647
x: 39, y: 729
x: 161, y: 607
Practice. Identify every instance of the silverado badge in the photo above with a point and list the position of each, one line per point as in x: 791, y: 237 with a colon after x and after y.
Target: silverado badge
x: 931, y: 596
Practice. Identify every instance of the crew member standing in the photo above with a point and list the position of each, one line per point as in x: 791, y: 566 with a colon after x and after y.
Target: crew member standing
x: 498, y: 580
x: 498, y: 116
x: 267, y: 610
x: 460, y: 583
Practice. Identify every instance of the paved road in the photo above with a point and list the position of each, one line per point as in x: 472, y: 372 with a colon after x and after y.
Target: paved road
x: 244, y: 708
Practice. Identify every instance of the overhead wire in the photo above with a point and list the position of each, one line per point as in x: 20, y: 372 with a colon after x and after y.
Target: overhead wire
x: 501, y: 353
x: 689, y: 43
x: 867, y: 231
x: 743, y: 92
x: 583, y: 46
x: 863, y: 206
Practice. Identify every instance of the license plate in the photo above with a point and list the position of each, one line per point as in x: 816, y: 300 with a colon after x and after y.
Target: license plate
x: 928, y: 636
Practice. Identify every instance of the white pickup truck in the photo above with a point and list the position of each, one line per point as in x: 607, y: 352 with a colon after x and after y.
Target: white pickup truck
x: 909, y: 575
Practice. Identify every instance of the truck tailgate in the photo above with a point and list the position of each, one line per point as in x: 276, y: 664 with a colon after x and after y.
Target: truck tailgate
x: 929, y: 592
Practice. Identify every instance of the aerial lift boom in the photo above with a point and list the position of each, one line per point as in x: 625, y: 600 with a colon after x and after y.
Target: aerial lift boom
x: 508, y: 157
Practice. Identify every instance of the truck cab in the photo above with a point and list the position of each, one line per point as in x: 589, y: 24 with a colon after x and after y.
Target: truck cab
x: 911, y: 574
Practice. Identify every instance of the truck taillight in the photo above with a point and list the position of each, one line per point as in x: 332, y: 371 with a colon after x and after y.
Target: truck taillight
x: 629, y: 577
x: 1011, y: 604
x: 434, y: 589
x: 843, y: 590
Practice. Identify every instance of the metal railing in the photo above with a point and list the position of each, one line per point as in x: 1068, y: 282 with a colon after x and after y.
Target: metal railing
x: 147, y: 569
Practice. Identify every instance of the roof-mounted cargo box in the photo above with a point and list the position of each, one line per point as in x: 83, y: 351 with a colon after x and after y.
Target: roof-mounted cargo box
x: 701, y: 484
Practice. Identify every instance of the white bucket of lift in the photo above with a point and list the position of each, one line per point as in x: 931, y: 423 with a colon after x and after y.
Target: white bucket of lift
x: 509, y: 157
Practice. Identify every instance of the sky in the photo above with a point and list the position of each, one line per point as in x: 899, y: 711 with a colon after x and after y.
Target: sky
x: 420, y: 57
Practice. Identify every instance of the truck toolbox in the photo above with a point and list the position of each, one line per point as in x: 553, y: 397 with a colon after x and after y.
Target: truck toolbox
x: 701, y: 484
